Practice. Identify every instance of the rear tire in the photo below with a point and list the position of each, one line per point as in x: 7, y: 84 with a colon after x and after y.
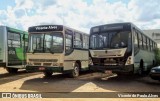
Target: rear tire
x: 141, y: 68
x: 47, y: 73
x: 75, y: 71
x: 11, y: 70
x: 153, y: 63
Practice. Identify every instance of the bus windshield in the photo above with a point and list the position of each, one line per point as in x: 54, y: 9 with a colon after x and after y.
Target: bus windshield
x: 110, y: 40
x: 46, y: 43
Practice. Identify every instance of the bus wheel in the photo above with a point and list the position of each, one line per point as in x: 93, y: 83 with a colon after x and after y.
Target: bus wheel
x: 141, y: 68
x: 75, y: 71
x: 12, y: 70
x: 47, y: 73
x: 153, y: 64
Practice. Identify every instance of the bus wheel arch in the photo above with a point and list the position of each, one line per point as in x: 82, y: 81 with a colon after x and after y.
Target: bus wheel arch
x: 79, y: 63
x: 76, y: 69
x: 11, y: 70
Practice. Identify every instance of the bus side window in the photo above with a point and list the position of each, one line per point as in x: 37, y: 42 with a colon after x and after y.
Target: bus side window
x: 77, y: 40
x: 68, y: 42
x: 150, y: 45
x: 147, y: 44
x: 136, y: 44
x: 140, y: 40
x: 85, y: 42
x: 154, y: 46
x: 144, y: 42
x: 14, y: 39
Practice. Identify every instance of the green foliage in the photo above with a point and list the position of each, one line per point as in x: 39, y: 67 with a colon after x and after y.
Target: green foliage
x: 157, y: 56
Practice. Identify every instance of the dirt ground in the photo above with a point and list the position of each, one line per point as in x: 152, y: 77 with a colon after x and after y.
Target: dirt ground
x: 86, y: 82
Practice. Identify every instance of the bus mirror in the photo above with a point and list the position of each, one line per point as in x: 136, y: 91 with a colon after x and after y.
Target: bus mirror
x: 23, y: 36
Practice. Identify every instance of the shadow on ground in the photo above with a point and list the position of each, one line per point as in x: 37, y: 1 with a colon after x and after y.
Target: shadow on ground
x: 62, y: 83
x: 6, y: 77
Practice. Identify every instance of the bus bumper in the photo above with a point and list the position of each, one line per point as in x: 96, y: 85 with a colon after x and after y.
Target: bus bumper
x: 2, y: 64
x: 43, y: 68
x: 117, y: 69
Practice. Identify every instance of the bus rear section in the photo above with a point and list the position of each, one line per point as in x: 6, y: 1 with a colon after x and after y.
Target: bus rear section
x: 51, y: 49
x: 3, y: 46
x: 110, y: 48
x: 13, y: 49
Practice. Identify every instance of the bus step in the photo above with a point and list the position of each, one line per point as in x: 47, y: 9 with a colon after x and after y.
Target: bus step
x: 17, y: 66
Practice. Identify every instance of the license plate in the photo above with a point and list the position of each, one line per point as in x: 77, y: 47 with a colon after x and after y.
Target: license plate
x: 41, y: 68
x: 108, y: 71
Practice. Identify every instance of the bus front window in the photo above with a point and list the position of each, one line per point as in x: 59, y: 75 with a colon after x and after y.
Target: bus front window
x: 46, y: 43
x: 36, y: 43
x: 120, y: 40
x: 110, y: 40
x: 53, y: 43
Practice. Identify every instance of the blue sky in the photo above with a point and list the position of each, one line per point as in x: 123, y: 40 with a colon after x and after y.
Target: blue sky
x: 79, y: 14
x: 5, y: 3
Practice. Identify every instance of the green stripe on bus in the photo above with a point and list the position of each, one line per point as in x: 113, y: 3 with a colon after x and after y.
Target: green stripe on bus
x: 20, y: 54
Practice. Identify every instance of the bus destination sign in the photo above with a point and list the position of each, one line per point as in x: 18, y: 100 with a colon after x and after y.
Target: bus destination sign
x: 45, y: 28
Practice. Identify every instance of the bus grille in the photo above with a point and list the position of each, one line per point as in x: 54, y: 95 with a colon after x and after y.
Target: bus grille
x: 108, y: 62
x: 47, y: 64
x: 43, y: 60
x: 37, y: 64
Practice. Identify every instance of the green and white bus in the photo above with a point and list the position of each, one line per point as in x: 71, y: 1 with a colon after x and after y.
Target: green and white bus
x: 57, y: 48
x: 13, y: 46
x: 120, y: 47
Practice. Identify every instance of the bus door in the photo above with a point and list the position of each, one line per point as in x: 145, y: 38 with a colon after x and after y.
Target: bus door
x: 15, y: 50
x: 25, y: 47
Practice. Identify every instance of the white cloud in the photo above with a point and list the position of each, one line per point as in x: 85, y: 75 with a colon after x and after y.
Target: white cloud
x: 145, y: 10
x: 81, y: 15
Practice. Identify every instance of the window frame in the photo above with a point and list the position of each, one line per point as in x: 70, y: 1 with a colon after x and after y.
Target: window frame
x: 140, y: 40
x: 69, y: 32
x: 136, y: 37
x: 80, y: 40
x: 85, y: 40
x: 13, y: 39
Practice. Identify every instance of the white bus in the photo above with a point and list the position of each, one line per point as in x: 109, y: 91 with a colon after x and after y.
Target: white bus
x: 120, y: 47
x: 57, y: 48
x: 13, y: 45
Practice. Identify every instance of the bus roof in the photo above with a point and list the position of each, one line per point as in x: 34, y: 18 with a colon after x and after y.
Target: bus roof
x: 15, y: 30
x: 110, y: 24
x: 124, y: 23
x: 49, y: 28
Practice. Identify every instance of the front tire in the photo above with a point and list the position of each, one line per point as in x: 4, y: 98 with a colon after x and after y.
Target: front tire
x: 47, y: 73
x: 75, y: 71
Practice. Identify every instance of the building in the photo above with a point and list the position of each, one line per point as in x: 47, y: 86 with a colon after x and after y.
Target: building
x: 154, y: 34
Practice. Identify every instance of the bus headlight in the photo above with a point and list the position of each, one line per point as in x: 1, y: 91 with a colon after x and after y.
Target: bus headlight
x: 61, y: 64
x: 90, y: 61
x: 129, y: 60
